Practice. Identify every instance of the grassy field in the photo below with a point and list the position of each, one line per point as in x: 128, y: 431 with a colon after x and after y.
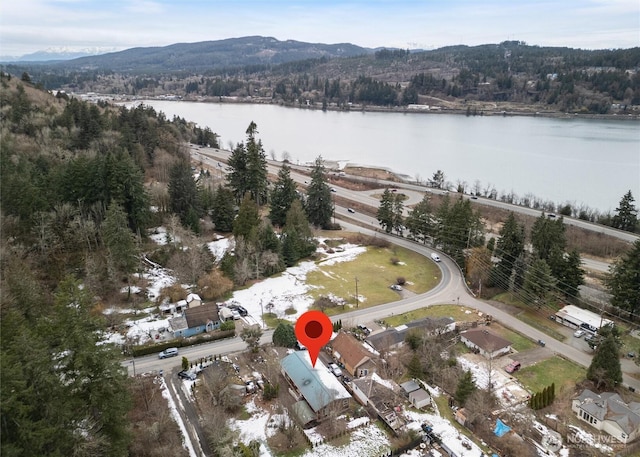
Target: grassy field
x: 519, y: 342
x: 564, y: 373
x: 458, y: 313
x: 538, y: 319
x: 375, y: 272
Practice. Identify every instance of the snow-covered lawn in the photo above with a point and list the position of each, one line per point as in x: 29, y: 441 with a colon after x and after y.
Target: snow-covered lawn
x: 289, y: 290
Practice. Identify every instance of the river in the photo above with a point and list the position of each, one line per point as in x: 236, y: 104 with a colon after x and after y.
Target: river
x: 580, y: 161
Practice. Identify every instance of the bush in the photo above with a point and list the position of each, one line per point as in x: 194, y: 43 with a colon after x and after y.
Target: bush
x: 401, y: 280
x: 395, y: 260
x: 227, y: 326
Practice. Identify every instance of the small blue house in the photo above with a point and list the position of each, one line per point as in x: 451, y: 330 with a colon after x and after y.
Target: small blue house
x: 197, y: 320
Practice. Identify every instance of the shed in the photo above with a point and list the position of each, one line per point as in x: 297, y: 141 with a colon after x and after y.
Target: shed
x: 419, y: 398
x: 409, y: 386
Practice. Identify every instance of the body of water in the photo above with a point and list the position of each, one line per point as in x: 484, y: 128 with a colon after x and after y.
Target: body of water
x: 580, y: 161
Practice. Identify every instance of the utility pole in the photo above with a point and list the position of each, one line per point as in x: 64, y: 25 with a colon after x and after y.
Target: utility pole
x: 357, y: 300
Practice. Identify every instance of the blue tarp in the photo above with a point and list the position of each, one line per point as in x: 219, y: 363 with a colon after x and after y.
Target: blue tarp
x: 501, y: 428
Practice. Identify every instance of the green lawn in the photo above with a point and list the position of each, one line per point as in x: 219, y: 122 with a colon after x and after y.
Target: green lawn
x: 562, y: 372
x: 375, y: 272
x: 538, y: 319
x: 458, y: 313
x: 519, y: 342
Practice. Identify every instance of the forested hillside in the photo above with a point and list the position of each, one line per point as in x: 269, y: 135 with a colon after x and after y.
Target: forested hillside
x: 75, y: 197
x: 80, y: 187
x: 511, y: 75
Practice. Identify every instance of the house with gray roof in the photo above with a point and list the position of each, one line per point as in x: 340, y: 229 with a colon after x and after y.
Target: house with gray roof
x: 393, y: 338
x: 196, y: 320
x: 486, y: 343
x: 609, y: 413
x: 319, y: 393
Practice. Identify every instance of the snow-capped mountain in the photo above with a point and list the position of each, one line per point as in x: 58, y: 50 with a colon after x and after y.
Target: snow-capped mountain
x: 59, y: 53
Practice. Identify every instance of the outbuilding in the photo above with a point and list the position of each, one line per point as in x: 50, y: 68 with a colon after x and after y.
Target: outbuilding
x: 575, y: 317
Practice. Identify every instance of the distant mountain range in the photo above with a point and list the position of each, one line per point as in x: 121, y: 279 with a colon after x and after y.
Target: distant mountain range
x: 208, y: 55
x: 56, y: 54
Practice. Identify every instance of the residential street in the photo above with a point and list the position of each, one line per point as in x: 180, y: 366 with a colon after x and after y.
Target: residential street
x: 451, y: 289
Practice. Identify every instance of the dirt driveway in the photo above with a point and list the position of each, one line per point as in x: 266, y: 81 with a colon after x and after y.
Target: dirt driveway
x: 531, y: 356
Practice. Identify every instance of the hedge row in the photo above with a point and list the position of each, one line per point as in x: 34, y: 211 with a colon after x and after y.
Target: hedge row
x: 138, y: 351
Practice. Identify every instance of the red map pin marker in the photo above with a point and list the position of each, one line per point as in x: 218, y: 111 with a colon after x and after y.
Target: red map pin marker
x: 313, y: 330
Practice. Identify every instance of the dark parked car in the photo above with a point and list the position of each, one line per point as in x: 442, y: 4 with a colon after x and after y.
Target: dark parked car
x: 242, y: 311
x: 187, y: 375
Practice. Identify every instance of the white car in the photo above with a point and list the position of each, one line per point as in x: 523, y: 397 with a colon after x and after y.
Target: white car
x: 335, y: 369
x: 578, y: 333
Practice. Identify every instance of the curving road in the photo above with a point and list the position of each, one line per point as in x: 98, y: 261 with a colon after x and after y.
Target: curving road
x: 451, y: 289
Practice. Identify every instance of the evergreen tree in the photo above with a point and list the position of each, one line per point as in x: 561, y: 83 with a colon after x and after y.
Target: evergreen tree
x: 222, y: 211
x: 548, y: 238
x: 626, y: 217
x: 237, y: 172
x: 119, y: 241
x: 284, y: 335
x: 62, y: 392
x: 605, y: 368
x: 539, y: 281
x: 298, y: 240
x: 256, y: 166
x: 509, y: 247
x: 385, y: 211
x: 319, y: 206
x: 183, y: 192
x: 465, y: 387
x: 248, y: 220
x: 623, y: 281
x: 420, y: 221
x: 398, y: 210
x: 283, y: 194
x: 571, y: 275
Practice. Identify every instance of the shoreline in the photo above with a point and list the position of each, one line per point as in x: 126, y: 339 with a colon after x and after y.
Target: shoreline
x: 526, y: 111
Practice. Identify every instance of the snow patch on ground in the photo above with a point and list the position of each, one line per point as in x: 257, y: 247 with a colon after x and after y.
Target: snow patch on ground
x: 186, y: 441
x: 219, y: 247
x: 444, y: 429
x: 367, y: 441
x: 288, y: 291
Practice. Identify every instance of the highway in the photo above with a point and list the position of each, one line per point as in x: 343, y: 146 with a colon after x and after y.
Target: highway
x: 213, y: 157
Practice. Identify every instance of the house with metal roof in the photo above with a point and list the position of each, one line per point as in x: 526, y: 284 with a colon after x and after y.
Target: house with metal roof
x: 486, y: 343
x: 319, y: 393
x: 609, y: 413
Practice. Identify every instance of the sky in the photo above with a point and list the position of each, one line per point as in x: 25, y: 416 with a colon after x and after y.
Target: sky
x: 28, y: 26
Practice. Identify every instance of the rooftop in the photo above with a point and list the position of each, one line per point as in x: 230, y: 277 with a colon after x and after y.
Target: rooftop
x: 318, y: 386
x: 584, y: 315
x: 201, y: 315
x: 610, y: 406
x: 485, y: 340
x: 352, y: 352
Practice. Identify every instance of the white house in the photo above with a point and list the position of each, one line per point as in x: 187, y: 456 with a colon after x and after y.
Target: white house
x: 485, y: 343
x: 608, y: 413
